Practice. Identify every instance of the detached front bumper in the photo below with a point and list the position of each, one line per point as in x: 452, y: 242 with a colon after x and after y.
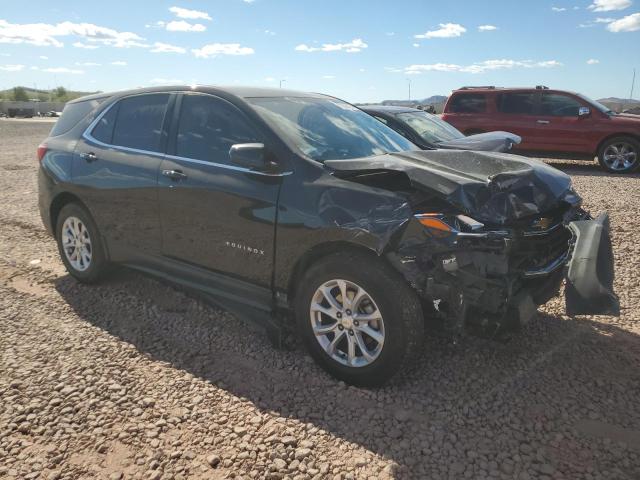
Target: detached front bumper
x: 590, y: 272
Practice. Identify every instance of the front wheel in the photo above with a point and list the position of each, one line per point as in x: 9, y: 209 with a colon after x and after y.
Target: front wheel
x: 619, y: 155
x: 80, y: 244
x: 359, y: 319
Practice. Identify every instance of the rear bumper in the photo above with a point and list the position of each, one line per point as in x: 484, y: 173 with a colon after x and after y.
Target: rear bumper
x: 590, y: 272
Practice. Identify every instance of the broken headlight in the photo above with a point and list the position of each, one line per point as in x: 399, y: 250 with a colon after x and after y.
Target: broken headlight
x: 441, y: 224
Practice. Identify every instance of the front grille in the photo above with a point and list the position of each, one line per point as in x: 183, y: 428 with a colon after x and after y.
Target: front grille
x: 535, y: 250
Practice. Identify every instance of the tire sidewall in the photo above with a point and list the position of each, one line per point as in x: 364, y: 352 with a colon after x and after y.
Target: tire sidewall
x: 98, y: 257
x: 606, y: 144
x: 376, y: 283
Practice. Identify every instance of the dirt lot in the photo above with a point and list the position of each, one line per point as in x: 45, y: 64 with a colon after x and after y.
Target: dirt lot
x: 134, y: 379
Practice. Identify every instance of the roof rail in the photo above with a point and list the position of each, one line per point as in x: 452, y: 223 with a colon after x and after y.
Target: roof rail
x: 542, y: 87
x: 472, y: 87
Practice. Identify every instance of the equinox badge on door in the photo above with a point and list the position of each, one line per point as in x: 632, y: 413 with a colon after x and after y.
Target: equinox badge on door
x: 245, y: 248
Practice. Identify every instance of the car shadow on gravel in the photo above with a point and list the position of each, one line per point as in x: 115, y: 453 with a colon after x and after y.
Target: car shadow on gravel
x: 475, y: 395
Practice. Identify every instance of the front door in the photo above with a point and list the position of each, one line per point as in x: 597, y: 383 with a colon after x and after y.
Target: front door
x: 216, y: 215
x: 560, y: 125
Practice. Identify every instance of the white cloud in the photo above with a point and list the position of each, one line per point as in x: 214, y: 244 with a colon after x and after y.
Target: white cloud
x: 592, y: 61
x: 558, y: 9
x: 328, y: 77
x: 63, y: 70
x: 487, y: 28
x: 609, y: 5
x: 216, y: 49
x: 43, y: 57
x: 249, y: 1
x: 46, y: 35
x: 160, y: 47
x: 85, y: 45
x: 166, y: 81
x: 191, y: 14
x: 630, y: 23
x: 605, y: 20
x: 354, y: 46
x: 446, y: 30
x: 119, y: 63
x: 269, y: 32
x: 183, y: 26
x: 11, y: 68
x: 87, y: 64
x: 417, y: 45
x: 478, y: 67
x: 269, y: 79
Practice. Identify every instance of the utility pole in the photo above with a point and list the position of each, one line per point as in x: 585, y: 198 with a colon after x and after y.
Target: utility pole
x: 409, y: 82
x: 281, y: 82
x: 633, y: 81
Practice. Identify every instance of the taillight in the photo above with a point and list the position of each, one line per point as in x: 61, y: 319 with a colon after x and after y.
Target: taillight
x: 42, y: 149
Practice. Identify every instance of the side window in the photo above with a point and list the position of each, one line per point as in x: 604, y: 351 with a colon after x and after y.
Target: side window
x: 72, y: 113
x: 559, y: 105
x: 517, y: 103
x: 208, y: 127
x: 139, y: 121
x: 469, y: 103
x: 103, y: 131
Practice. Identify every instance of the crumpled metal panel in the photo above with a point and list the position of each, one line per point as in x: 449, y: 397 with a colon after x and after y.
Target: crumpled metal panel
x: 494, y: 188
x: 484, y: 142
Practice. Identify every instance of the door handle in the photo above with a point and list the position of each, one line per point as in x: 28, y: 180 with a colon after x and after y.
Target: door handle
x: 89, y: 157
x: 543, y: 122
x: 174, y: 174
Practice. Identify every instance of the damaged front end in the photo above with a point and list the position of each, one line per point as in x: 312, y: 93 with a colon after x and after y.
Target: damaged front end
x: 505, y: 234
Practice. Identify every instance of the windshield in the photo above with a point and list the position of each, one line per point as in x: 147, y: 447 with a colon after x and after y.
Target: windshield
x: 599, y: 106
x: 430, y: 127
x: 329, y: 129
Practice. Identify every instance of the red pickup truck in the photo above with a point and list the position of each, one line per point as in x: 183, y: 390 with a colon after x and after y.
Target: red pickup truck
x: 550, y: 122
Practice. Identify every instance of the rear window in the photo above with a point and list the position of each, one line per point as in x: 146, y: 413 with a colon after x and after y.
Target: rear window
x: 517, y: 103
x: 139, y: 122
x: 468, y: 103
x: 72, y: 114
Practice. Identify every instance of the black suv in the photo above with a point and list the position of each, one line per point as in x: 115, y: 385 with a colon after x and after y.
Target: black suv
x: 279, y: 204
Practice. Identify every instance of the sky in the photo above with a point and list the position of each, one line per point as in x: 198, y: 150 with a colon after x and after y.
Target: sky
x: 361, y: 51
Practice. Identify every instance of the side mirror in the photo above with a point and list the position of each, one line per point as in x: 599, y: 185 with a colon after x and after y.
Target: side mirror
x: 584, y: 111
x: 249, y: 155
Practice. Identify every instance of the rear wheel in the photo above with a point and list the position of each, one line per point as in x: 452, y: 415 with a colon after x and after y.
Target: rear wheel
x: 80, y: 244
x: 359, y: 319
x: 620, y: 155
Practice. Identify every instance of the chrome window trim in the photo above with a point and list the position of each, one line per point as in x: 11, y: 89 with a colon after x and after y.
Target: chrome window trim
x: 87, y: 136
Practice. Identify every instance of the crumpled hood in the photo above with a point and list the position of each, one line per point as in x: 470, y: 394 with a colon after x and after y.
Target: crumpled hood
x: 485, y: 142
x: 491, y: 187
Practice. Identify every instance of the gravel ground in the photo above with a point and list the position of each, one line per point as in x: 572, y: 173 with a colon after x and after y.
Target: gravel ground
x: 135, y: 379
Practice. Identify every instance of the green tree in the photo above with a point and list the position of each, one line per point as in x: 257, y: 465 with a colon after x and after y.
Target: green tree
x: 43, y: 97
x: 20, y: 94
x: 60, y: 93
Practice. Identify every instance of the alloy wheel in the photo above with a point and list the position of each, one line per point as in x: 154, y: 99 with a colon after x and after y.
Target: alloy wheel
x: 347, y: 323
x: 620, y: 156
x: 76, y: 243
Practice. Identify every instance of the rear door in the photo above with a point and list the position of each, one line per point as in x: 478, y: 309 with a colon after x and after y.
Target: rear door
x: 559, y: 124
x: 116, y: 165
x: 214, y: 214
x: 468, y: 112
x: 516, y: 113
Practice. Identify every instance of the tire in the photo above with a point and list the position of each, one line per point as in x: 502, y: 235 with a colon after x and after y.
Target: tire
x: 90, y: 271
x: 384, y: 292
x: 619, y: 154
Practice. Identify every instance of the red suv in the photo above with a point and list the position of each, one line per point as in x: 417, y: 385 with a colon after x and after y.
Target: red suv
x: 549, y: 122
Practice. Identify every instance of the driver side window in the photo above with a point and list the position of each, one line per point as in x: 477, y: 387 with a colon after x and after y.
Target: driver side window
x: 209, y: 126
x: 557, y: 105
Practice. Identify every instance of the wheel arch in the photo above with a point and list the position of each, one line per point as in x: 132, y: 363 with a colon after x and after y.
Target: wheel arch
x: 319, y: 252
x: 634, y: 136
x: 58, y: 203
